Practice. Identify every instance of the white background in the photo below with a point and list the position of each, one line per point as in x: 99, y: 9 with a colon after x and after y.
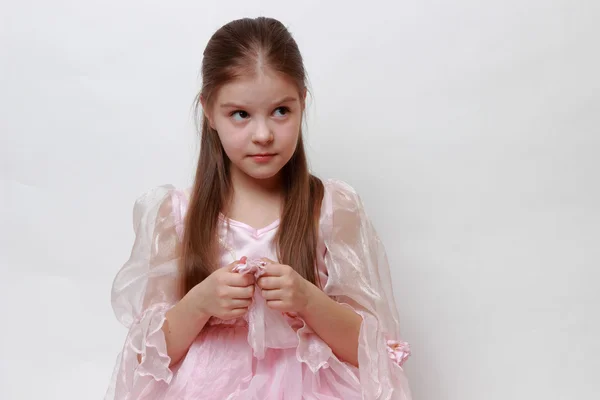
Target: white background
x: 470, y: 128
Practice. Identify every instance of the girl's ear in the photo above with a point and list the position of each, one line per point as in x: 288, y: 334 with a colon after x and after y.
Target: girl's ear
x: 205, y: 111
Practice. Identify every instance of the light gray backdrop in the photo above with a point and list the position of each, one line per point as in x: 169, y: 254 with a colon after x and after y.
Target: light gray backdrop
x: 470, y: 128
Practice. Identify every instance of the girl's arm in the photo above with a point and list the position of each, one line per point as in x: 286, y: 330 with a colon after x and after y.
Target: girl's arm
x: 223, y: 294
x: 336, y: 324
x: 182, y: 325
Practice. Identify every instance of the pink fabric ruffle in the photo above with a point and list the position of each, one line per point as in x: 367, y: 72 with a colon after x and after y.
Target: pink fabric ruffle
x: 148, y: 340
x: 398, y: 351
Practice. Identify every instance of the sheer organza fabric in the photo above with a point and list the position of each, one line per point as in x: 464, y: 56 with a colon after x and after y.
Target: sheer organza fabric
x: 266, y: 355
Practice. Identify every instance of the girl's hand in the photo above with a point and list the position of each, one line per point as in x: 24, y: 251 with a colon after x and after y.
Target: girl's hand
x: 224, y: 294
x: 283, y: 288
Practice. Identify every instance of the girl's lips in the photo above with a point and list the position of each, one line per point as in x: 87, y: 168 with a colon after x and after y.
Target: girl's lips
x: 262, y: 158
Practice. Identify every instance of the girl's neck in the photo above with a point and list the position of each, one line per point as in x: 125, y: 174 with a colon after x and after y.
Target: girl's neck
x: 256, y: 202
x: 243, y: 183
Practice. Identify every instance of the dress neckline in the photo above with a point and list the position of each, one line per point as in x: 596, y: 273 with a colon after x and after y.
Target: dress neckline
x: 254, y: 231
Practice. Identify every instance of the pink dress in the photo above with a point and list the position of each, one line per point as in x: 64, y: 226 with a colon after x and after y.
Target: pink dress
x: 266, y: 355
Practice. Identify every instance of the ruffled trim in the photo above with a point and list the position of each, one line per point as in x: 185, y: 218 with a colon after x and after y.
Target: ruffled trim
x: 397, y: 351
x: 148, y: 340
x: 311, y: 350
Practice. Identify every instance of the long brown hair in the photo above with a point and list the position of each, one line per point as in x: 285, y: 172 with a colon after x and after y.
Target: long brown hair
x: 234, y: 50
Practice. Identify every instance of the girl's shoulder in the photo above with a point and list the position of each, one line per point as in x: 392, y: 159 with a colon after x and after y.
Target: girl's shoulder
x: 337, y: 185
x: 163, y: 197
x: 165, y: 202
x: 341, y: 208
x: 338, y: 195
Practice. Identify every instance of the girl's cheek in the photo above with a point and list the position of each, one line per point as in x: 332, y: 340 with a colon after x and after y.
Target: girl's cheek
x: 290, y: 135
x: 234, y: 140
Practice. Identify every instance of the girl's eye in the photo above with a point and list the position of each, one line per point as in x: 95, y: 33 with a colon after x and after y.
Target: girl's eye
x: 282, y: 111
x: 241, y: 115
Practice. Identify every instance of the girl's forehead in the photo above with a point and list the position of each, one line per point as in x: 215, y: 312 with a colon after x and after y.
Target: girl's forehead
x: 257, y: 89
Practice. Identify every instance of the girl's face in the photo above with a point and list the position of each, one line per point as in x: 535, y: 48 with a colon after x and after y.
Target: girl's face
x: 258, y: 121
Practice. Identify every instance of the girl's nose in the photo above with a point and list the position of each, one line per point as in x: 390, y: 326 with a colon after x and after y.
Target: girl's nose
x: 262, y: 134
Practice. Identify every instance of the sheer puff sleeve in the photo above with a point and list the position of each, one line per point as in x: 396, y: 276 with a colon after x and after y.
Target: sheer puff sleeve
x: 143, y: 291
x: 358, y: 276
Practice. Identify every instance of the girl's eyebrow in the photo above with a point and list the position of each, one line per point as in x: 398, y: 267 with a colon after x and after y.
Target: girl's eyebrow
x: 287, y: 99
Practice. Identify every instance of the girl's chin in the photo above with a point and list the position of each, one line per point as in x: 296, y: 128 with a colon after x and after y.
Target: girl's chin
x: 261, y: 173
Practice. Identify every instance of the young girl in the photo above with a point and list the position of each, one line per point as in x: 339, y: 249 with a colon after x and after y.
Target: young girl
x: 262, y: 281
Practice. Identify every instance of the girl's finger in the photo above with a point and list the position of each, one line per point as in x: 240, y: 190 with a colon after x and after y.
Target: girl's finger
x: 236, y: 313
x: 240, y: 280
x: 240, y: 292
x: 269, y: 282
x: 274, y: 269
x: 239, y: 303
x: 276, y: 305
x: 270, y: 295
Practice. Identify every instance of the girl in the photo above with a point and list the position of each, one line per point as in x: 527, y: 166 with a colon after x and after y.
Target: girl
x: 261, y: 282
